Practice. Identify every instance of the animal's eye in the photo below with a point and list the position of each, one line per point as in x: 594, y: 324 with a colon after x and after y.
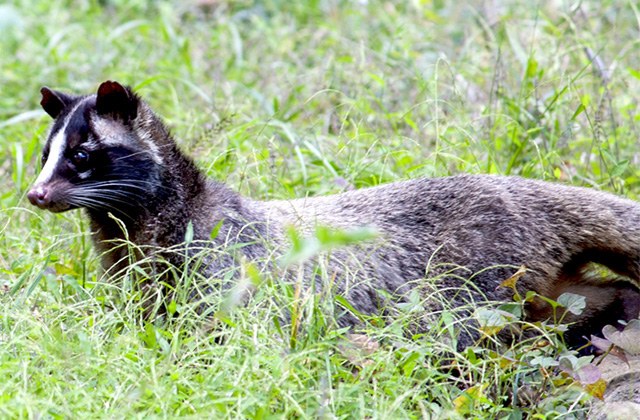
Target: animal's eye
x: 80, y: 157
x: 43, y: 160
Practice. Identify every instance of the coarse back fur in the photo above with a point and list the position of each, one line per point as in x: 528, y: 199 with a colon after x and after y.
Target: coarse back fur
x: 108, y: 153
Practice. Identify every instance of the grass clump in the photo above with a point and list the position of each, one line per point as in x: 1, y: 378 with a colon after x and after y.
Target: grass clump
x: 283, y: 100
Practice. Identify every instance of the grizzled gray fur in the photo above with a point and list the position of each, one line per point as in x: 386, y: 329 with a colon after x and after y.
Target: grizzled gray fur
x: 108, y: 153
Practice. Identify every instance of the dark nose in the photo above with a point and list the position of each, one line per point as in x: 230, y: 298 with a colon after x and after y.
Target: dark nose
x: 40, y: 196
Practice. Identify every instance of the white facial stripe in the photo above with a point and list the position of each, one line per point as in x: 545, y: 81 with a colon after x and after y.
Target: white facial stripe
x: 142, y: 128
x: 56, y: 149
x: 84, y: 175
x: 145, y: 137
x: 113, y: 133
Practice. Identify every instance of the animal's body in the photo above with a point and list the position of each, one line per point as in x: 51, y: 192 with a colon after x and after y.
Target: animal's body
x: 109, y: 153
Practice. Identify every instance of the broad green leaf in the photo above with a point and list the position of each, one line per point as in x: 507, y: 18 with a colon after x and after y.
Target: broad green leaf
x: 572, y: 302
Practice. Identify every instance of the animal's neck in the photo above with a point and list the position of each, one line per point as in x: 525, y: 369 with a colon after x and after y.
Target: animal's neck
x: 175, y: 186
x: 179, y: 194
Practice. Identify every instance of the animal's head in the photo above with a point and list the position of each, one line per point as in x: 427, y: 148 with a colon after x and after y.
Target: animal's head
x: 100, y: 153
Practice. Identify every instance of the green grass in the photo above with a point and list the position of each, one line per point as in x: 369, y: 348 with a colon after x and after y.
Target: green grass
x: 285, y: 99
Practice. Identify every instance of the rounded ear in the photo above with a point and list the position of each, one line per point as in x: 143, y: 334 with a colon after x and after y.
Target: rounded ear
x: 54, y: 102
x: 116, y: 101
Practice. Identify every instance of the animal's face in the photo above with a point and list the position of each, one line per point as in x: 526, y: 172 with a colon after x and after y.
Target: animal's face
x: 97, y: 155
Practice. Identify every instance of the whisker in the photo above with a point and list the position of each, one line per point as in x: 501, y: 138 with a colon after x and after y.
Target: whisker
x: 104, y: 198
x: 142, y: 184
x: 95, y: 205
x: 123, y: 185
x: 104, y: 192
x: 98, y: 205
x: 106, y: 186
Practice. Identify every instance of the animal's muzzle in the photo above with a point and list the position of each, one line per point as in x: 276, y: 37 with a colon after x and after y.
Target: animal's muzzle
x: 40, y: 196
x: 49, y: 196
